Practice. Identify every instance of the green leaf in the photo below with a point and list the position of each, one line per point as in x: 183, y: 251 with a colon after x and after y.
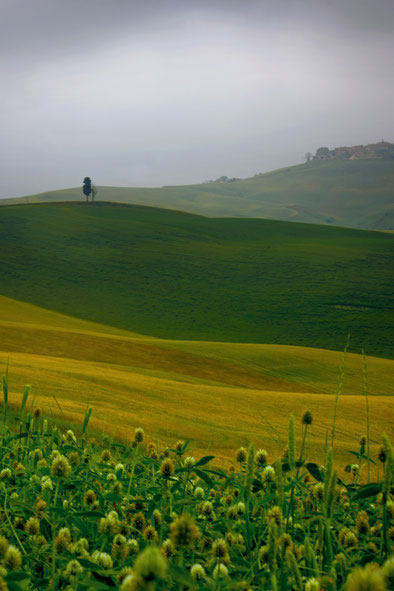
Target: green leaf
x: 89, y: 564
x: 87, y: 514
x: 17, y: 576
x: 113, y: 498
x: 204, y: 476
x: 314, y: 470
x: 368, y: 490
x: 86, y: 421
x: 18, y: 436
x: 359, y: 455
x: 203, y: 461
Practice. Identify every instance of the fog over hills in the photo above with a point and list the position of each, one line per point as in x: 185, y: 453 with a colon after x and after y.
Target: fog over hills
x: 168, y: 92
x: 355, y: 193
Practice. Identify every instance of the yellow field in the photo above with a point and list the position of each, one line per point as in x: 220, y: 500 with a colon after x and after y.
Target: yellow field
x: 219, y: 395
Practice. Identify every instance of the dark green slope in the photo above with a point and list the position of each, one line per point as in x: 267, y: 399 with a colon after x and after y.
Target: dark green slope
x: 351, y: 193
x: 176, y: 275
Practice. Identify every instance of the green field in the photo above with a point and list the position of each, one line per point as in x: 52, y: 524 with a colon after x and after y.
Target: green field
x: 352, y: 193
x: 178, y: 276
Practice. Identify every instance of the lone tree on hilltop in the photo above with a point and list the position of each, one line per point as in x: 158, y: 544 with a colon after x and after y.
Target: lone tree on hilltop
x: 87, y: 187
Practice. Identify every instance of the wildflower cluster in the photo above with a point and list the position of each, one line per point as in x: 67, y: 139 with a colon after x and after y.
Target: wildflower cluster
x: 78, y: 516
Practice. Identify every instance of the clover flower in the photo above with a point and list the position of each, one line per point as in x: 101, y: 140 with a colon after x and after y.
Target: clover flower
x: 13, y: 558
x: 184, y: 531
x: 102, y: 559
x: 139, y: 435
x: 60, y: 467
x: 167, y: 468
x: 150, y: 564
x: 261, y: 457
x: 268, y: 474
x: 368, y: 578
x: 220, y: 571
x: 197, y: 572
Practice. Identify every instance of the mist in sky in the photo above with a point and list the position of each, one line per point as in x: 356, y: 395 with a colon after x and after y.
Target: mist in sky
x: 159, y: 92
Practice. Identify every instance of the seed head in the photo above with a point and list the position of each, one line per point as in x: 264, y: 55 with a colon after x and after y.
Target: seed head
x: 73, y: 568
x: 89, y: 497
x: 388, y: 572
x: 268, y: 474
x: 150, y: 565
x: 167, y: 468
x: 350, y: 540
x: 220, y: 571
x: 318, y: 491
x: 168, y: 549
x: 106, y: 456
x: 131, y: 582
x: 206, y: 510
x: 32, y: 526
x: 261, y: 457
x: 157, y: 518
x: 179, y: 445
x: 241, y: 455
x: 368, y: 578
x: 184, y: 532
x: 70, y: 436
x: 220, y: 549
x: 139, y: 435
x: 60, y: 467
x: 132, y: 546
x: 102, y: 559
x: 275, y: 514
x: 382, y: 456
x: 362, y: 525
x: 62, y: 542
x: 19, y: 469
x: 197, y: 572
x: 4, y: 545
x: 13, y: 558
x: 307, y: 418
x: 312, y: 584
x: 189, y: 462
x: 199, y: 493
x: 150, y: 534
x: 74, y: 459
x: 138, y: 521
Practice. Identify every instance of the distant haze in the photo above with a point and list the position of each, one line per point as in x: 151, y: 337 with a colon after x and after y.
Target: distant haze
x: 158, y: 92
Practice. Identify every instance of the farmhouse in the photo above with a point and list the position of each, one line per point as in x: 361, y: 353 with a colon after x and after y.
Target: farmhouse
x: 381, y: 150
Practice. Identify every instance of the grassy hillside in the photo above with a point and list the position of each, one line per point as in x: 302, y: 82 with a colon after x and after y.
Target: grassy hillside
x: 352, y: 193
x: 220, y: 395
x: 178, y: 276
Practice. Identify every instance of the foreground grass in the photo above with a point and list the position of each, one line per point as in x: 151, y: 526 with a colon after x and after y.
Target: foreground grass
x: 82, y: 515
x: 178, y: 276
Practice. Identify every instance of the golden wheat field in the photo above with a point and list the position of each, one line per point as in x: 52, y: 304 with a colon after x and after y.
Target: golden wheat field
x: 218, y: 395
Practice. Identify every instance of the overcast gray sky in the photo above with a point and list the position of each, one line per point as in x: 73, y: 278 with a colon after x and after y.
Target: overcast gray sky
x: 158, y: 92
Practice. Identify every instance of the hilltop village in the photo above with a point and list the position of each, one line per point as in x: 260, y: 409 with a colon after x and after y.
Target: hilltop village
x: 382, y: 150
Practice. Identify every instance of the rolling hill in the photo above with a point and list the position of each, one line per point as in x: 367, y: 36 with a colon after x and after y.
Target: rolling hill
x: 351, y: 193
x: 219, y: 395
x: 178, y: 276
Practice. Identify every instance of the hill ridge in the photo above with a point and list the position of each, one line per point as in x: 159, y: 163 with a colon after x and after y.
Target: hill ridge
x: 351, y: 193
x: 172, y: 275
